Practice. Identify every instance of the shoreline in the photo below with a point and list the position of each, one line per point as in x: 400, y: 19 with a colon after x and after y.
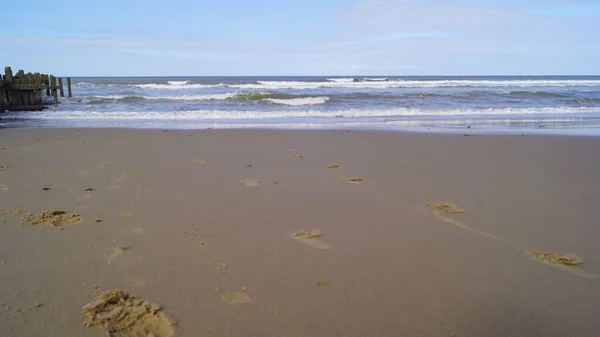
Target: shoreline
x: 208, y: 225
x: 538, y: 131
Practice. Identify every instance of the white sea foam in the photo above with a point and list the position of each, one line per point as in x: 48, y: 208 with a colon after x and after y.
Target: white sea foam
x: 178, y: 82
x: 110, y: 96
x: 176, y: 86
x: 376, y: 79
x: 311, y: 113
x: 299, y: 101
x: 341, y: 80
x: 207, y: 97
x: 383, y: 84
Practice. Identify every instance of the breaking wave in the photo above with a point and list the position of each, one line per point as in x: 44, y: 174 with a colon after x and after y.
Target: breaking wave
x: 299, y: 101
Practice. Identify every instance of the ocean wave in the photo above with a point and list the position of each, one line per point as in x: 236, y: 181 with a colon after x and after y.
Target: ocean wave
x: 276, y: 98
x: 583, y: 100
x: 130, y: 98
x: 357, y: 79
x: 299, y: 101
x: 171, y: 86
x: 309, y: 113
x: 532, y: 93
x: 384, y: 84
x: 341, y: 80
x: 178, y: 82
x: 362, y: 83
x: 375, y: 79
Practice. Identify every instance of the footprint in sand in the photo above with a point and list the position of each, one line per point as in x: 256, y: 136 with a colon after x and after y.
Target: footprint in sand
x: 128, y: 216
x: 236, y: 298
x: 125, y: 215
x: 83, y: 173
x: 449, y: 208
x: 138, y: 231
x: 112, y: 253
x: 103, y: 165
x: 84, y: 197
x: 250, y: 182
x: 351, y: 180
x: 312, y: 238
x: 126, y: 315
x: 444, y: 206
x: 145, y: 191
x: 566, y: 262
x: 3, y: 188
x: 200, y: 161
x: 140, y: 282
x: 3, y: 167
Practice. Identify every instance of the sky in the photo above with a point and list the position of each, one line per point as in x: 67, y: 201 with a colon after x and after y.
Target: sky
x: 305, y: 37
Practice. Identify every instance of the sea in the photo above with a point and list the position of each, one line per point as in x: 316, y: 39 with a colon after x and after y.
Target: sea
x: 491, y: 104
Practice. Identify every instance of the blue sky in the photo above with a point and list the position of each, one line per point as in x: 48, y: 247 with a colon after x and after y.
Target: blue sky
x: 307, y: 37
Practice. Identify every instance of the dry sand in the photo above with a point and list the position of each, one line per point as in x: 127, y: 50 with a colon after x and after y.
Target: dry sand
x: 445, y: 236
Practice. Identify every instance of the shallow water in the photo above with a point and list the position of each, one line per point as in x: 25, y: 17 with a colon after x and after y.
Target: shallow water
x: 556, y: 104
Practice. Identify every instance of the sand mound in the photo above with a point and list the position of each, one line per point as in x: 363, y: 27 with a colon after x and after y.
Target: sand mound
x: 332, y: 166
x: 126, y: 315
x: 250, y: 182
x: 236, y: 298
x: 554, y: 258
x: 54, y: 218
x: 351, y: 180
x: 445, y: 207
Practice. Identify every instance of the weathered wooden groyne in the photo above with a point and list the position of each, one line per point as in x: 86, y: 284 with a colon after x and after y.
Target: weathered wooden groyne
x: 24, y: 91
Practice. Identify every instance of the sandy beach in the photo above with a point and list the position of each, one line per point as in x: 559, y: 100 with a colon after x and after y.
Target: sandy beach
x: 300, y: 233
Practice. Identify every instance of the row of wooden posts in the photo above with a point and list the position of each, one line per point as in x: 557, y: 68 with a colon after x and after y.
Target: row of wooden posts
x: 24, y: 92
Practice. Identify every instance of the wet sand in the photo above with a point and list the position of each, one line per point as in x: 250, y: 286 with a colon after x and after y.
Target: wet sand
x: 416, y: 234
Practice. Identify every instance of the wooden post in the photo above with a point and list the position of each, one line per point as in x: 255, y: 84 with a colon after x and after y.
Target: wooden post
x: 37, y: 81
x: 53, y: 90
x: 69, y: 86
x: 46, y: 81
x: 10, y: 95
x: 3, y: 98
x: 3, y: 91
x: 8, y: 75
x: 30, y: 93
x: 60, y: 84
x: 21, y: 94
